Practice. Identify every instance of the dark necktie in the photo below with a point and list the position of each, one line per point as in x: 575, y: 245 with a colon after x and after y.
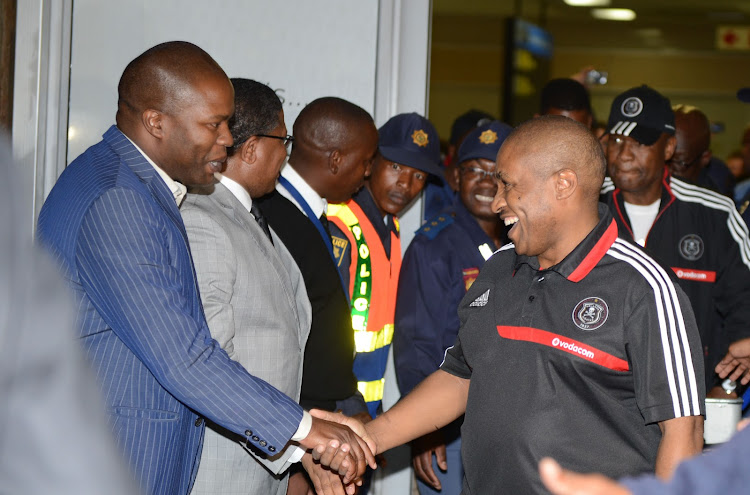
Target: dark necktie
x: 324, y: 221
x: 261, y: 220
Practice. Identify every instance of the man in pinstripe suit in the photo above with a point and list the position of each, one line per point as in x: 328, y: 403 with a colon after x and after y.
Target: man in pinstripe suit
x: 113, y: 223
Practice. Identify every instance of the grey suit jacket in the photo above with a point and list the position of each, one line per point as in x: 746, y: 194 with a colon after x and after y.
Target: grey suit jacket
x: 257, y: 308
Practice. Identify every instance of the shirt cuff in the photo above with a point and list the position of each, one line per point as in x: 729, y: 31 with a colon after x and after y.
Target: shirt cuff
x: 304, y: 428
x: 296, y: 455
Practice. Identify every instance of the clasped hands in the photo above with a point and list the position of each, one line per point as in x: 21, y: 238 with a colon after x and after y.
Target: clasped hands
x: 342, y: 445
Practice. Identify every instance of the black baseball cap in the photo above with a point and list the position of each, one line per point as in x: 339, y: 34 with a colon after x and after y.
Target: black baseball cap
x: 484, y: 141
x: 641, y: 113
x: 411, y: 140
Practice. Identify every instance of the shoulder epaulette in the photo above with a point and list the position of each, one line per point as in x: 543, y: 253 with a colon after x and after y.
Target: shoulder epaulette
x: 432, y: 227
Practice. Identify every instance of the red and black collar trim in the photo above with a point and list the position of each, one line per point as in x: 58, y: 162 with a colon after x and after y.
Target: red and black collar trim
x: 588, y: 253
x: 667, y: 198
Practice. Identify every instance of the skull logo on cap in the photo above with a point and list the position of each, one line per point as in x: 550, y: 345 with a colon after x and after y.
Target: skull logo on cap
x: 631, y: 107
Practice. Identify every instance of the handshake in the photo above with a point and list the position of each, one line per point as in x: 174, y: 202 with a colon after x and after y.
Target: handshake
x: 339, y: 451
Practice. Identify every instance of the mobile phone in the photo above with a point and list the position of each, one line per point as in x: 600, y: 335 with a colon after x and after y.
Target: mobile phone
x: 595, y: 77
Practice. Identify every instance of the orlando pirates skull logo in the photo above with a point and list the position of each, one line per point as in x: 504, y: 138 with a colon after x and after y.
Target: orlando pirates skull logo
x: 591, y: 313
x: 691, y: 247
x: 631, y: 107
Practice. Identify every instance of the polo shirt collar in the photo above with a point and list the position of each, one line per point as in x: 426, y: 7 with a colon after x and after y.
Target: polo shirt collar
x: 579, y: 262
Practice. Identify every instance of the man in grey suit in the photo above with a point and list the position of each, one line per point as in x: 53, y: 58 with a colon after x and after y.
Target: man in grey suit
x: 252, y: 291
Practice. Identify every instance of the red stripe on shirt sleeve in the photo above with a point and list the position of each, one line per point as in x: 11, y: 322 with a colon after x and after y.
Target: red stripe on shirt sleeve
x: 564, y: 344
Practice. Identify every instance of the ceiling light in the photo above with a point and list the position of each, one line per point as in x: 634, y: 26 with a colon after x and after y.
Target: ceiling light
x: 587, y: 3
x: 613, y: 14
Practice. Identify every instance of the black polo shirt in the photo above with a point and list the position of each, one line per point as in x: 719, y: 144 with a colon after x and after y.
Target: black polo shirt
x: 579, y: 362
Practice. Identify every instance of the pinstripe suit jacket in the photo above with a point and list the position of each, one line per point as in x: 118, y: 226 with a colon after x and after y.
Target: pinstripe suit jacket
x: 257, y: 308
x: 114, y: 227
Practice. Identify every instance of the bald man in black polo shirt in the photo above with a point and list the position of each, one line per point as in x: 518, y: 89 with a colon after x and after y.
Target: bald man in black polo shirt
x: 573, y: 343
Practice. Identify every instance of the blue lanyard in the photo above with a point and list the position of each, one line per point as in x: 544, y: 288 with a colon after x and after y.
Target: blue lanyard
x: 316, y: 221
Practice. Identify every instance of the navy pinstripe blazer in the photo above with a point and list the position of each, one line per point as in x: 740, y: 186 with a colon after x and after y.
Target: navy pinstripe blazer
x: 114, y: 227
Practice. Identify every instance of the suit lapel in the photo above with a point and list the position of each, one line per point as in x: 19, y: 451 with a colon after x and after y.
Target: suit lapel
x: 237, y: 212
x: 148, y: 175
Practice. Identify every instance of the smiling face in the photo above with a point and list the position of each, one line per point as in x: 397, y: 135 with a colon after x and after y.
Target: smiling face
x: 476, y: 188
x: 196, y: 133
x: 525, y: 200
x: 394, y: 186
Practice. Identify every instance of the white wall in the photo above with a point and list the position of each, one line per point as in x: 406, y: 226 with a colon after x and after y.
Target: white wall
x: 302, y: 49
x: 40, y: 95
x: 372, y: 52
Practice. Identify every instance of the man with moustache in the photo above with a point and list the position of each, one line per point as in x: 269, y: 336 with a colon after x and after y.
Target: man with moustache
x: 440, y: 193
x: 253, y: 295
x: 440, y: 265
x: 573, y: 343
x: 694, y: 231
x: 367, y: 242
x: 112, y: 221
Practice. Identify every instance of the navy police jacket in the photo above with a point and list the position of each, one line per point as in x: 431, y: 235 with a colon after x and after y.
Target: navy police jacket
x: 441, y: 263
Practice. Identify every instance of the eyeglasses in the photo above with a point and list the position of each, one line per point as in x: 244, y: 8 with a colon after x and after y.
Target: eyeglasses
x: 286, y: 139
x: 477, y: 173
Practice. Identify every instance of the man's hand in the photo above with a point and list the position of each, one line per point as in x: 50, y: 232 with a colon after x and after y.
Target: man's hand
x: 560, y: 481
x: 336, y: 446
x: 421, y: 452
x: 355, y: 425
x: 737, y: 362
x: 298, y: 484
x: 325, y: 481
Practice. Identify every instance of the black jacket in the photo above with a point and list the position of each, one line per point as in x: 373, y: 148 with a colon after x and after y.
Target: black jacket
x: 327, y: 374
x: 701, y: 237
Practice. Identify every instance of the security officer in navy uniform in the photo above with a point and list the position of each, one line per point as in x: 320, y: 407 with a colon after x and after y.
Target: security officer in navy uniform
x: 408, y: 152
x: 440, y: 265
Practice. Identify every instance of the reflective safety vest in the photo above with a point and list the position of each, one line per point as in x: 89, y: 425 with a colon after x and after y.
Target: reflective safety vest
x: 373, y: 281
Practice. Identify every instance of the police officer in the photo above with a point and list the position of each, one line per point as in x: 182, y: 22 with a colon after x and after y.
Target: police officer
x: 696, y: 232
x: 440, y: 192
x: 367, y: 246
x: 440, y: 265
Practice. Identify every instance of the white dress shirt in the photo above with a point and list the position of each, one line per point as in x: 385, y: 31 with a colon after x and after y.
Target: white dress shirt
x: 317, y: 204
x: 178, y: 190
